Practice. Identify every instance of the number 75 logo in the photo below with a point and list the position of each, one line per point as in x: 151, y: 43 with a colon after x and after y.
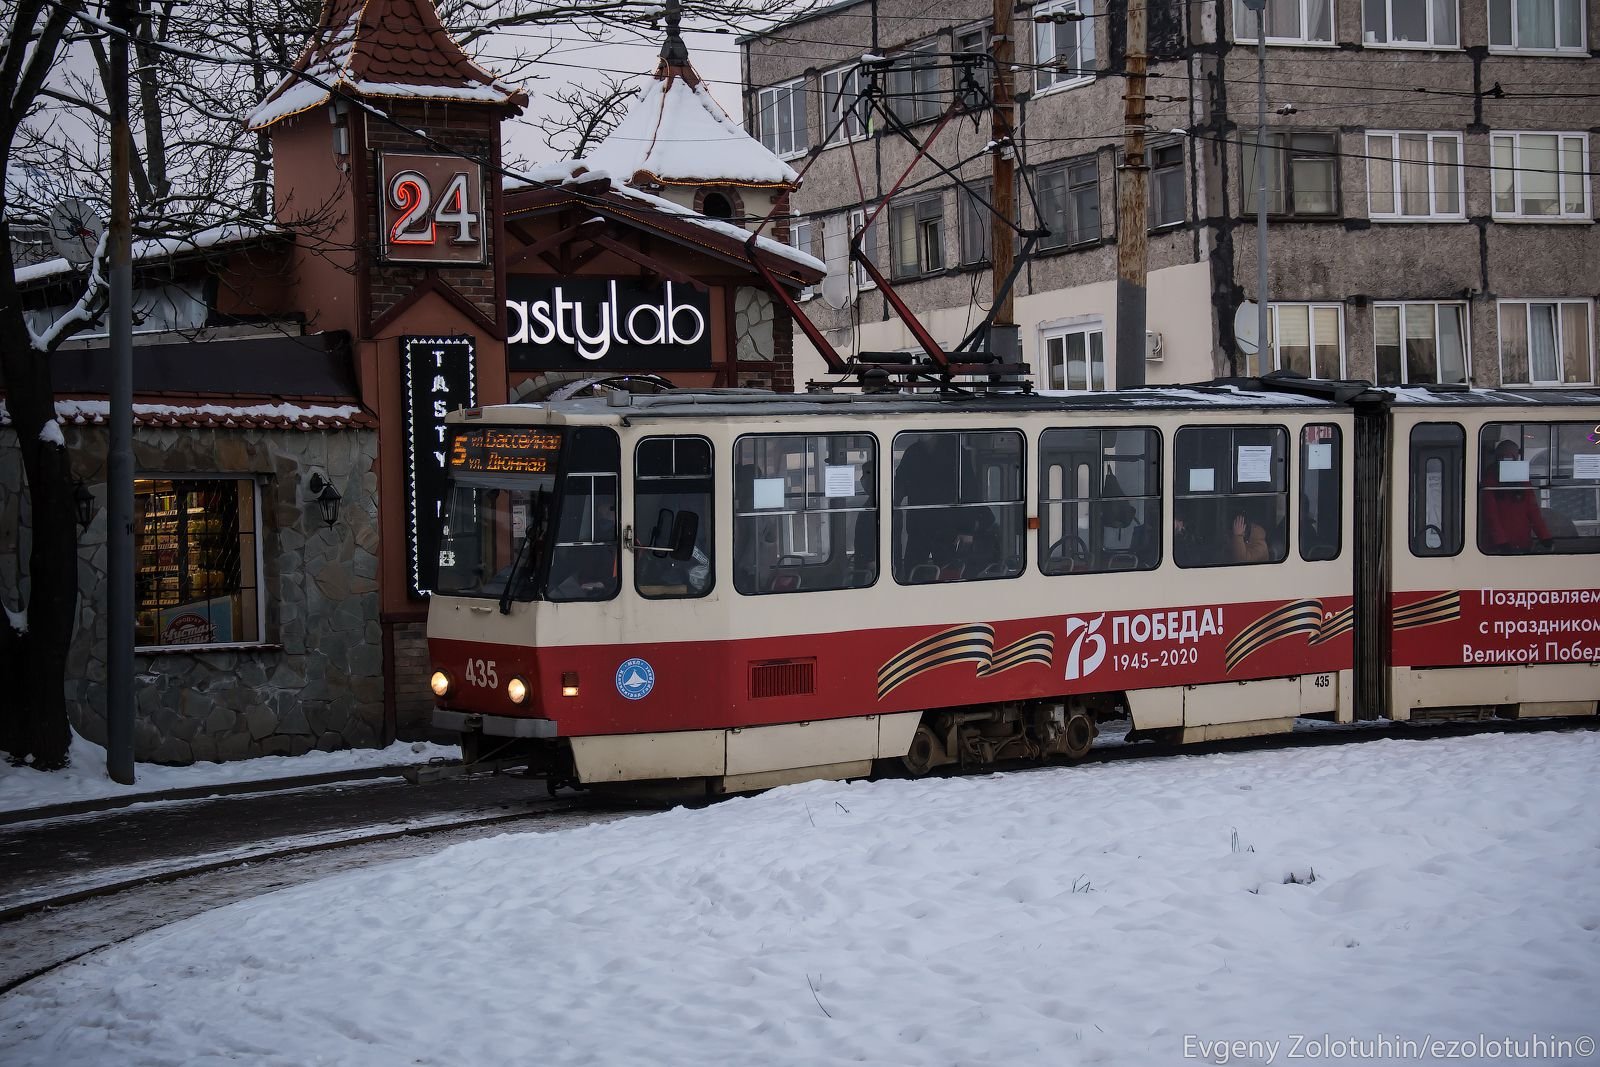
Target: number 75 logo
x: 1089, y: 650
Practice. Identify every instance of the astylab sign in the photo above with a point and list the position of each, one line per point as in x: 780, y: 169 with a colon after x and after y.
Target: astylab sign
x: 597, y: 323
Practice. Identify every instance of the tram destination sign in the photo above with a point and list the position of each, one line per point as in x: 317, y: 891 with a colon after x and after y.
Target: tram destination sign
x: 440, y: 375
x: 498, y: 450
x: 605, y: 324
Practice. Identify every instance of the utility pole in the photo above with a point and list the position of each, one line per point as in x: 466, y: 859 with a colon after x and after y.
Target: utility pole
x: 1133, y: 192
x: 1260, y: 8
x: 1003, y: 339
x: 119, y: 461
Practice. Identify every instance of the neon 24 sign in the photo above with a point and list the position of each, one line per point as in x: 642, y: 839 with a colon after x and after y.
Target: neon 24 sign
x: 432, y: 208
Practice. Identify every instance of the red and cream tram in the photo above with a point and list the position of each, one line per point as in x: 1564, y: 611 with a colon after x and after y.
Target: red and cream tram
x: 750, y: 589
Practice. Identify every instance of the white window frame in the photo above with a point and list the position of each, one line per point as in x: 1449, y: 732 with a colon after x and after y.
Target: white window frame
x: 1495, y: 175
x: 1411, y: 307
x: 1183, y: 196
x: 1244, y: 27
x: 846, y: 79
x: 1527, y: 304
x: 858, y: 274
x: 1433, y: 168
x: 1311, y: 309
x: 768, y: 102
x: 1089, y: 329
x: 1048, y: 80
x: 1430, y: 10
x: 1515, y: 45
x: 800, y: 236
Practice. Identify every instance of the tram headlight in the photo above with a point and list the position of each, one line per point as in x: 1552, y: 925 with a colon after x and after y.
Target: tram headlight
x: 441, y: 684
x: 517, y: 690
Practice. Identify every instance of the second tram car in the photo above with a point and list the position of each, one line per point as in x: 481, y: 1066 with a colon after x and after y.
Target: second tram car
x: 750, y: 589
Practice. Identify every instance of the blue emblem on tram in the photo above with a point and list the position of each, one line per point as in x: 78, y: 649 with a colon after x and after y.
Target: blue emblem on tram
x: 635, y: 679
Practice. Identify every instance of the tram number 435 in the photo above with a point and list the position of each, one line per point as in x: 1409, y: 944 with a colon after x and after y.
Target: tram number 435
x: 1321, y: 681
x: 481, y: 673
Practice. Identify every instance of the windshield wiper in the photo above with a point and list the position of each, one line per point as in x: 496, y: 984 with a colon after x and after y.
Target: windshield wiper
x: 536, y: 527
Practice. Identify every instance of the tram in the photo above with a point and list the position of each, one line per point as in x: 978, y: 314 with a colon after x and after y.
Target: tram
x: 740, y: 589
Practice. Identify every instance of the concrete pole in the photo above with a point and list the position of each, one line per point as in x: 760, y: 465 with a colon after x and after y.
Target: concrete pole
x: 1003, y: 333
x: 1133, y: 208
x: 1262, y: 364
x: 119, y: 465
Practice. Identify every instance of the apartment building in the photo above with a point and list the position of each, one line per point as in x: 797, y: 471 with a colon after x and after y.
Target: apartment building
x: 1430, y: 196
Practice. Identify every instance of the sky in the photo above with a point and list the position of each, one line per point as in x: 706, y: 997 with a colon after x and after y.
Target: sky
x: 1387, y: 902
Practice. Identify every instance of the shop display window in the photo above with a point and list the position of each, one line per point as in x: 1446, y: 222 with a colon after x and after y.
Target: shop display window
x: 195, y: 562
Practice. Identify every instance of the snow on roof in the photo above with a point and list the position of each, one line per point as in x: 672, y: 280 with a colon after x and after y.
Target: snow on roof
x: 280, y: 415
x: 677, y: 133
x: 386, y: 49
x: 576, y: 172
x: 157, y: 248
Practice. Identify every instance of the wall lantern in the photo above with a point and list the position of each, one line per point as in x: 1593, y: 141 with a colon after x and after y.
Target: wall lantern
x: 327, y: 498
x: 83, y: 503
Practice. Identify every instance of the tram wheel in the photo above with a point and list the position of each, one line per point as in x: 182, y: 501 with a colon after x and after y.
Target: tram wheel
x: 925, y: 752
x: 1077, y: 737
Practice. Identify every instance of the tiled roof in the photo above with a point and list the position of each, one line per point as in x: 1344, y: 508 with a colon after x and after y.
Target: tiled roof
x: 385, y: 49
x: 228, y: 413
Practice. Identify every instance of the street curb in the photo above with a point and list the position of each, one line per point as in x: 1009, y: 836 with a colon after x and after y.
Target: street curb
x: 200, y: 792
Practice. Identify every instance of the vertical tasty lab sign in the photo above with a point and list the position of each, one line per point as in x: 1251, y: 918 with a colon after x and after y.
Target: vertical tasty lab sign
x: 440, y: 376
x: 605, y: 324
x: 432, y: 208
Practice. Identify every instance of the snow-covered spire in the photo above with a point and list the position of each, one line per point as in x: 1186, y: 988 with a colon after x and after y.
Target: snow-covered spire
x: 675, y: 134
x: 383, y: 49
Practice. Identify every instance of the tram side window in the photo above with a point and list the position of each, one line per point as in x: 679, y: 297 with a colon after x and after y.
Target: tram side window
x: 1438, y: 454
x: 1230, y: 495
x: 1321, y: 492
x: 805, y: 513
x: 958, y: 511
x: 1099, y: 500
x: 672, y: 518
x: 1538, y: 488
x: 583, y: 560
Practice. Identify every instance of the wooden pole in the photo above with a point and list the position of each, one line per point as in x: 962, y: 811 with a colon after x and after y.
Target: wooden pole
x: 1133, y: 209
x: 1001, y: 243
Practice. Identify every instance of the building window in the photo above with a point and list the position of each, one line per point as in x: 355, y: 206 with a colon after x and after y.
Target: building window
x: 973, y: 42
x: 1075, y: 358
x: 1538, y: 488
x: 1069, y: 203
x: 1099, y: 500
x: 977, y: 222
x: 800, y: 234
x: 913, y: 85
x: 917, y: 232
x: 1230, y: 497
x: 1308, y: 339
x: 1546, y: 342
x: 958, y: 509
x: 716, y: 206
x: 869, y: 247
x: 196, y: 563
x: 1414, y: 176
x: 1414, y: 23
x: 781, y: 118
x: 845, y: 113
x: 805, y: 513
x: 1302, y: 177
x: 1438, y: 454
x: 1420, y: 344
x: 1064, y: 51
x: 1288, y: 22
x: 1541, y: 175
x: 1168, y: 205
x: 672, y: 518
x: 1537, y: 25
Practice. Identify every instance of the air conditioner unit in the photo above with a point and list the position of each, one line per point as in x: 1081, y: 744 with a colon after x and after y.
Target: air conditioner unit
x: 1152, y: 346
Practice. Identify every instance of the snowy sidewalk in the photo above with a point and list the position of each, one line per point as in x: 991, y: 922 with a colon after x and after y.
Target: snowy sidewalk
x: 84, y: 786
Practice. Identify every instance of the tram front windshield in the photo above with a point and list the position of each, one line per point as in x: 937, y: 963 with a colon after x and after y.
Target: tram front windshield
x: 513, y: 530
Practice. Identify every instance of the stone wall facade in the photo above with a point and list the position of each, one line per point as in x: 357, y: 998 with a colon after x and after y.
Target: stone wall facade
x: 315, y: 680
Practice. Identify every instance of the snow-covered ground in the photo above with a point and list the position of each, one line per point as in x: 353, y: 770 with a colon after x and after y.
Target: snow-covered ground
x: 1394, y: 894
x: 23, y: 788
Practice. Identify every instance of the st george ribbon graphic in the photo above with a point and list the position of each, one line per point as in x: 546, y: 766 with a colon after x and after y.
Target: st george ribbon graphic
x: 972, y: 643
